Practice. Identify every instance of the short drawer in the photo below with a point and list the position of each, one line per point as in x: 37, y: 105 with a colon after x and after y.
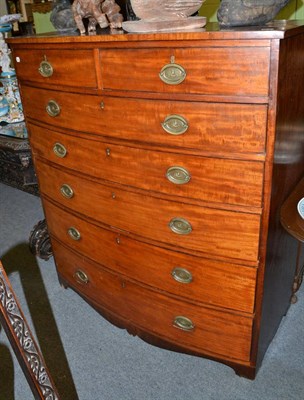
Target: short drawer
x: 209, y: 127
x: 56, y: 67
x: 194, y: 278
x: 181, y: 225
x: 200, y: 178
x: 243, y: 71
x: 190, y: 326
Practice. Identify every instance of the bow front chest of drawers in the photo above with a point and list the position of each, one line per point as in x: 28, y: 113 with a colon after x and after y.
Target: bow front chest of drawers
x: 163, y: 161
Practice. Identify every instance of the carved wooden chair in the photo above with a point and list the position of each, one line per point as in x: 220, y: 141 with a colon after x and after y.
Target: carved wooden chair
x: 23, y: 343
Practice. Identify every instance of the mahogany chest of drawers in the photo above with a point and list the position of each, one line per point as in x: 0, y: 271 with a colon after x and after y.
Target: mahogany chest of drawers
x: 163, y: 161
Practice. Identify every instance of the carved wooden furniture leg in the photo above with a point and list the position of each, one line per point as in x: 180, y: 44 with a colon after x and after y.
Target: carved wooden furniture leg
x: 298, y: 279
x: 23, y: 343
x: 39, y: 241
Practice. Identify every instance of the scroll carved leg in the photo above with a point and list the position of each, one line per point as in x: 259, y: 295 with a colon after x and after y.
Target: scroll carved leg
x: 39, y: 241
x: 296, y: 285
x: 298, y: 279
x: 23, y: 343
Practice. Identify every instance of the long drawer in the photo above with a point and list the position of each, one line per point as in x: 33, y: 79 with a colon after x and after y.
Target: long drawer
x: 194, y: 278
x: 213, y: 127
x: 65, y: 67
x: 140, y: 70
x: 193, y: 327
x: 201, y: 178
x: 216, y: 232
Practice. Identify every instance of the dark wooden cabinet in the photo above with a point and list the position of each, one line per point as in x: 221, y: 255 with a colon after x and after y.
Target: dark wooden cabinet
x: 163, y: 162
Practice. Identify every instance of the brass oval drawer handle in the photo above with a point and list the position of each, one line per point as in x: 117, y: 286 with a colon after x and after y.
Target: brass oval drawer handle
x: 74, y: 233
x: 67, y: 191
x: 59, y: 150
x: 53, y: 108
x: 81, y: 277
x: 172, y: 74
x: 175, y: 124
x: 182, y: 275
x: 180, y: 226
x: 178, y: 175
x: 45, y: 69
x: 183, y: 323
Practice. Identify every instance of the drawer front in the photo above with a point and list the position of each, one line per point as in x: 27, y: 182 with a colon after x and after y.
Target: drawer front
x: 198, y: 279
x: 244, y: 70
x: 211, y: 127
x: 216, y: 232
x: 62, y: 67
x: 200, y: 178
x: 213, y: 331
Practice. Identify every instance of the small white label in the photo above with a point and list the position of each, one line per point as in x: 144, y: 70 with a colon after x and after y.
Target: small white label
x: 18, y: 59
x: 301, y: 207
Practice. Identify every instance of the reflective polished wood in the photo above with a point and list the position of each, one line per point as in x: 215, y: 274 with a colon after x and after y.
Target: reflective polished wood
x: 163, y: 162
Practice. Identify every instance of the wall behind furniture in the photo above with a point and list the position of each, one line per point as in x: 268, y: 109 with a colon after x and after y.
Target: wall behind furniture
x: 42, y: 14
x: 3, y: 8
x: 209, y: 9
